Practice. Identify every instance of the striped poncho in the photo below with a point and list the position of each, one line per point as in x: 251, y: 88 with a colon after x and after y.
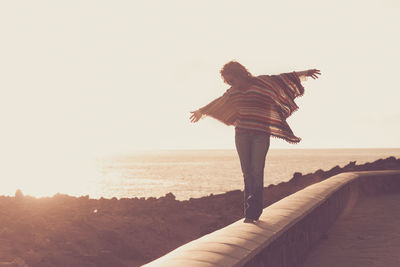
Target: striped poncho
x: 263, y: 107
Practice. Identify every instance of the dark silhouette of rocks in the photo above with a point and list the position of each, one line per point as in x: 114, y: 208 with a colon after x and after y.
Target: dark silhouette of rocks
x: 80, y: 231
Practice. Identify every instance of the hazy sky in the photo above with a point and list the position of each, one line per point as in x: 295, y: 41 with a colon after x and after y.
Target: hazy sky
x: 82, y: 78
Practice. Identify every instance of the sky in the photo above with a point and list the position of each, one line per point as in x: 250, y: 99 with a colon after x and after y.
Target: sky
x: 85, y: 78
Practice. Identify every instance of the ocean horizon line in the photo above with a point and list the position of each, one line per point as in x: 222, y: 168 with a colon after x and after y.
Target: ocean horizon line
x: 138, y: 151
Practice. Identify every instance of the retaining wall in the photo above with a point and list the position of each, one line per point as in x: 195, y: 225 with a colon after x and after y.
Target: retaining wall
x: 287, y: 229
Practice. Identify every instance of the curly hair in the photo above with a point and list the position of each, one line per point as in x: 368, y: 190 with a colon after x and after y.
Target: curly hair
x: 236, y: 69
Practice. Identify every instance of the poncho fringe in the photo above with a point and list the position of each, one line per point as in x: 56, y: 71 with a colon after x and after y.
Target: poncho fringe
x: 282, y: 89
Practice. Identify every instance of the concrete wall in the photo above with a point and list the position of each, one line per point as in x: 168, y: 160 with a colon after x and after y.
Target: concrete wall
x: 286, y: 229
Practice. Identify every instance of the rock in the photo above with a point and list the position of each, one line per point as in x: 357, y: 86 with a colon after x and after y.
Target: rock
x: 297, y: 174
x: 19, y: 194
x: 350, y: 166
x: 170, y: 196
x: 320, y: 174
x: 335, y: 170
x: 296, y: 178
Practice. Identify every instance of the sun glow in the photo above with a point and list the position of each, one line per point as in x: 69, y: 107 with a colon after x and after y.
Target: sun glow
x: 124, y: 77
x: 42, y: 177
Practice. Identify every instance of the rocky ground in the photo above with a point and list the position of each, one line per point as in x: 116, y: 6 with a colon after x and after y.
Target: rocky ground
x: 79, y: 231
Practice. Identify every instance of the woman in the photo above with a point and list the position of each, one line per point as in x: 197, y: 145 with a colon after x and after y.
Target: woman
x: 258, y: 107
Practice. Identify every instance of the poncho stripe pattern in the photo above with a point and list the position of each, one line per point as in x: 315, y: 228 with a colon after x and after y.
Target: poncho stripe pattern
x: 263, y: 107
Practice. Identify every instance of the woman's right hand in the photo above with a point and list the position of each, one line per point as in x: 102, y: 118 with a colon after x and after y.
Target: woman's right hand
x: 196, y: 116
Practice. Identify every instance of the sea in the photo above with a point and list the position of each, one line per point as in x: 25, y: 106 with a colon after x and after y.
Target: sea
x: 197, y: 173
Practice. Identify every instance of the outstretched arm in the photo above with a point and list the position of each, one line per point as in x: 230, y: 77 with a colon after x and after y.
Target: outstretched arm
x: 313, y: 73
x: 198, y: 114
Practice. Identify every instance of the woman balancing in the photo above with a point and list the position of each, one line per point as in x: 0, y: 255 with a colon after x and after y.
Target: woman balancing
x: 258, y: 107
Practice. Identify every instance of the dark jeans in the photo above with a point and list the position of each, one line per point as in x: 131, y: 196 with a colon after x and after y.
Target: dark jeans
x: 252, y: 149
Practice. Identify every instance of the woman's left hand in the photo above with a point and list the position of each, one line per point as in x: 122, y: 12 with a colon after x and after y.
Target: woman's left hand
x: 313, y: 73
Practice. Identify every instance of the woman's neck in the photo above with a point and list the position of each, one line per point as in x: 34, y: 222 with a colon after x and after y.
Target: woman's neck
x: 243, y: 85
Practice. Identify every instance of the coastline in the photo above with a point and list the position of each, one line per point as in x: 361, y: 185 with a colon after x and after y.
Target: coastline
x: 79, y: 231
